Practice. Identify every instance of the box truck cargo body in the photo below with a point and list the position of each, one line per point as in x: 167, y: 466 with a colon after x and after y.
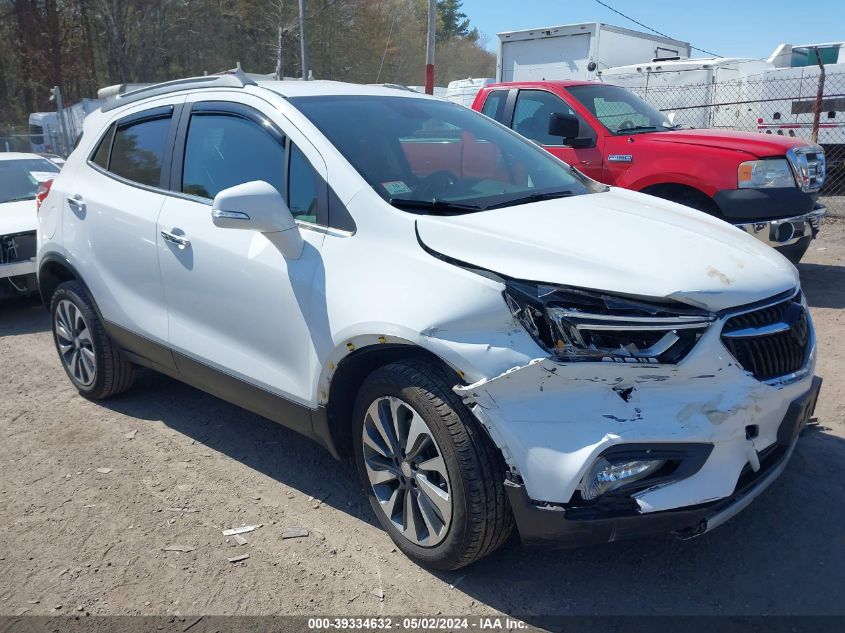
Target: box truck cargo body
x: 578, y: 51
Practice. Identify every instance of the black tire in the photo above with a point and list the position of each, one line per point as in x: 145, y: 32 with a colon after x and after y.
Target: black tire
x: 794, y: 252
x: 481, y: 518
x: 114, y: 374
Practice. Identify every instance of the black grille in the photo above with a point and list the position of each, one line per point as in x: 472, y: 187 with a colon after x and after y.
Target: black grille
x: 770, y: 355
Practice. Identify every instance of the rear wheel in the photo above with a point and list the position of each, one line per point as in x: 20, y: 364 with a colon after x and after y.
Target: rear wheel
x: 433, y: 477
x: 94, y: 364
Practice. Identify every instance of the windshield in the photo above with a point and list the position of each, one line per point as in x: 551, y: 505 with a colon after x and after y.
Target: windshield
x: 434, y: 156
x: 19, y: 178
x: 620, y: 111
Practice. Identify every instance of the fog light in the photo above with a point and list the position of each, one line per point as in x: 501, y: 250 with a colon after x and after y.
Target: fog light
x: 604, y: 476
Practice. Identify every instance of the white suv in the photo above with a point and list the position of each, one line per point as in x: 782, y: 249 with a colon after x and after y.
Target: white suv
x: 494, y: 338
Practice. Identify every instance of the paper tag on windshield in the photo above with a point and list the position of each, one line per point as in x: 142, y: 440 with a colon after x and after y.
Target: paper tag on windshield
x: 395, y: 187
x: 42, y: 176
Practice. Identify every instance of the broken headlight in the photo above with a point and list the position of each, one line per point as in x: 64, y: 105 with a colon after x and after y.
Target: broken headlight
x: 576, y: 325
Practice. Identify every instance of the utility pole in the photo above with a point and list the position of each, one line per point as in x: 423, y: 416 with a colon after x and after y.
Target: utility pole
x: 303, y: 54
x: 56, y: 94
x: 429, y: 49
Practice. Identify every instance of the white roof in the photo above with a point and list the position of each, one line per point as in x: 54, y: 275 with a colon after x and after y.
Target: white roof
x: 334, y: 88
x: 19, y: 156
x: 681, y: 64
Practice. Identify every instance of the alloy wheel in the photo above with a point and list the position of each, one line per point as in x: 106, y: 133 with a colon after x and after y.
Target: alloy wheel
x: 407, y: 472
x: 76, y: 347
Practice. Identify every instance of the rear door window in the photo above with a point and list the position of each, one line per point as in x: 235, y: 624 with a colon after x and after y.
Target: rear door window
x: 495, y: 104
x: 139, y: 148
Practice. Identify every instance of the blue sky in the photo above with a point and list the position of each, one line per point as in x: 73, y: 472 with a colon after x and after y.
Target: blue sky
x: 732, y: 28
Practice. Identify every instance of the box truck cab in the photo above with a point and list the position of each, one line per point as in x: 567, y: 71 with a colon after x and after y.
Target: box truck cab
x: 766, y: 185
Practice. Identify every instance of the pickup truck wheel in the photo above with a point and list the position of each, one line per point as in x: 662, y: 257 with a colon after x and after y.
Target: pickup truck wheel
x: 434, y: 479
x: 94, y: 364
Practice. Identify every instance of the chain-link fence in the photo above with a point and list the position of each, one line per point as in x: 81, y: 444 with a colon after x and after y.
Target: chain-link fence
x: 807, y: 107
x: 31, y: 138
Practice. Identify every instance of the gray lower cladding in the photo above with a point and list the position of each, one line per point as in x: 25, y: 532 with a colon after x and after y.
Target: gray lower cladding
x: 312, y: 423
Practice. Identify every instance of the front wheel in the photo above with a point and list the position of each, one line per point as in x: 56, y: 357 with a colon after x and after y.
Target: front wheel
x: 94, y: 364
x: 433, y: 477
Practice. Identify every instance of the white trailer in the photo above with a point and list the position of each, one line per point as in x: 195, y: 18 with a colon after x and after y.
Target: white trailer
x: 773, y: 96
x: 690, y: 90
x: 578, y: 51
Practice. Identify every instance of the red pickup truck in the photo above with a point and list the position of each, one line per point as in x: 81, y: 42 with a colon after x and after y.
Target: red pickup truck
x: 765, y: 185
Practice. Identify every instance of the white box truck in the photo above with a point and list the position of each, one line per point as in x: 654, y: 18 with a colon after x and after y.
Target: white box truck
x: 578, y: 51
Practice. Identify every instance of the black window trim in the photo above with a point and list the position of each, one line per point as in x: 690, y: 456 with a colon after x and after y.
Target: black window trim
x: 594, y: 136
x: 169, y: 111
x: 231, y: 108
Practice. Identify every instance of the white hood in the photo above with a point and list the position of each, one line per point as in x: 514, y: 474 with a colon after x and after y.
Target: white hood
x: 18, y: 217
x: 620, y: 242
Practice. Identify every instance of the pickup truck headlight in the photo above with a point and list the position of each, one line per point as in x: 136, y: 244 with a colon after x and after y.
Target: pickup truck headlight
x: 763, y: 174
x: 576, y: 325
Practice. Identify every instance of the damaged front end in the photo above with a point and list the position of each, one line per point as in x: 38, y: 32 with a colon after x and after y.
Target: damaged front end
x: 641, y: 420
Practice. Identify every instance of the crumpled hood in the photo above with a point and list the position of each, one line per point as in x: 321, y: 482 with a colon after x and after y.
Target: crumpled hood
x: 18, y: 217
x: 621, y: 242
x: 758, y: 145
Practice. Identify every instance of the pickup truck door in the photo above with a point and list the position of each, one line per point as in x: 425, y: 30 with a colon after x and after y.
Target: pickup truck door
x: 238, y: 310
x: 530, y: 117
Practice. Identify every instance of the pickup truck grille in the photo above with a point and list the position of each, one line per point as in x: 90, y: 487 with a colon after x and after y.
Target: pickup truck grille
x: 808, y: 165
x: 17, y: 247
x: 770, y: 342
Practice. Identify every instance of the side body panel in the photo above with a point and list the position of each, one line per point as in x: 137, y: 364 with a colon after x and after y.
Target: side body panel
x: 234, y: 301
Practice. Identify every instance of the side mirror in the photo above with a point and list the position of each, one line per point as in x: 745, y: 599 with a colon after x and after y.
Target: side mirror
x: 564, y: 125
x: 258, y: 206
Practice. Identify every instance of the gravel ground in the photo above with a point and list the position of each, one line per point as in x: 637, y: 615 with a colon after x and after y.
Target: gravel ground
x: 183, y: 466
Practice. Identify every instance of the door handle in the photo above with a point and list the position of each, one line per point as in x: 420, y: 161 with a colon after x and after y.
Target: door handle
x: 76, y: 204
x: 181, y: 242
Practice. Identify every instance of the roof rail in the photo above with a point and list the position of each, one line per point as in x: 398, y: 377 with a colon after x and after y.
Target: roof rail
x: 230, y: 80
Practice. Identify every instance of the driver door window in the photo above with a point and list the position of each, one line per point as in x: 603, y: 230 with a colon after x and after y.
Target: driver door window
x: 531, y: 117
x: 222, y: 151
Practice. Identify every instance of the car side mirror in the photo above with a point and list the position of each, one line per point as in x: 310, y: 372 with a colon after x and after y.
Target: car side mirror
x: 563, y: 125
x: 258, y: 206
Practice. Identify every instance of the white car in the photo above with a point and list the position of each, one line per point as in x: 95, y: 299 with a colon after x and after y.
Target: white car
x: 21, y: 175
x: 494, y: 338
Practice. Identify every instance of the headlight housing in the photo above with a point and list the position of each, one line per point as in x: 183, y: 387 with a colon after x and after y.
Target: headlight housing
x: 575, y: 325
x: 765, y: 174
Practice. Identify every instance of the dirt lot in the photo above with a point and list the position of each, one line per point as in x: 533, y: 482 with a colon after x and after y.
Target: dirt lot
x: 74, y: 538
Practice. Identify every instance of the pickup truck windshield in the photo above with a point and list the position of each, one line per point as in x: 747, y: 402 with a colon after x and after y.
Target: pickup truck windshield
x: 430, y: 156
x: 19, y: 178
x: 619, y: 110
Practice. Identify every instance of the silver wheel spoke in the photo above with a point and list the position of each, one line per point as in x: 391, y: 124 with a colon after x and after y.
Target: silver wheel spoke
x: 381, y: 476
x: 376, y: 443
x: 433, y: 522
x: 434, y: 465
x: 390, y: 506
x: 438, y: 497
x: 85, y: 337
x: 417, y: 436
x: 410, y: 521
x: 384, y: 425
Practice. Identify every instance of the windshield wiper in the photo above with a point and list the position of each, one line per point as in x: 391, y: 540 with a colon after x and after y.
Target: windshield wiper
x: 19, y: 198
x: 637, y: 128
x: 533, y: 197
x: 434, y: 205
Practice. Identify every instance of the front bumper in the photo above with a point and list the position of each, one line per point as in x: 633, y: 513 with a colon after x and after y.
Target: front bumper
x: 612, y: 519
x: 15, y: 269
x: 786, y: 231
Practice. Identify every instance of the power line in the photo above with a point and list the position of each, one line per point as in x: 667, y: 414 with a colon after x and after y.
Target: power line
x: 628, y: 17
